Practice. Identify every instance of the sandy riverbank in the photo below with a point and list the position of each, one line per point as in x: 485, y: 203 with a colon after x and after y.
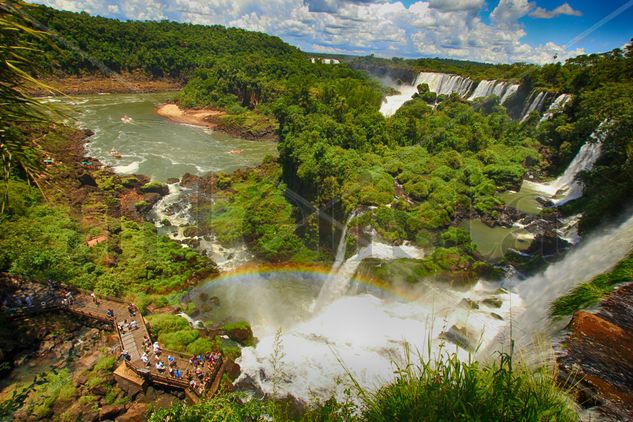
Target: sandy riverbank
x: 198, y: 117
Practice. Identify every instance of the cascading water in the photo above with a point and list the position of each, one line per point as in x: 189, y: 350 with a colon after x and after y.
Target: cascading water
x: 596, y: 255
x: 444, y: 83
x: 172, y: 214
x: 501, y: 89
x: 535, y: 103
x: 567, y: 183
x: 556, y: 107
x: 365, y: 334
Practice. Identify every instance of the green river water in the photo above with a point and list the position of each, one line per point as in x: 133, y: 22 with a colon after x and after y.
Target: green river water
x: 154, y: 146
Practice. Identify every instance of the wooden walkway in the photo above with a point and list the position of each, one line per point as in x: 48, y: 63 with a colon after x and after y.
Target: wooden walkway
x: 132, y: 342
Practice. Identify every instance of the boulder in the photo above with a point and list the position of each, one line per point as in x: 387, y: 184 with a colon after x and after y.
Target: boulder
x: 135, y: 413
x: 110, y: 411
x: 460, y: 336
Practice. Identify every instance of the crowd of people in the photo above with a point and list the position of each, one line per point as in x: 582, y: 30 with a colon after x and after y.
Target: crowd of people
x: 199, y: 372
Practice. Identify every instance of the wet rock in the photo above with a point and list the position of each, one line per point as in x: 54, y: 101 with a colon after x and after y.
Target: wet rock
x: 172, y: 180
x: 493, y: 302
x: 469, y: 303
x: 232, y: 369
x: 240, y: 332
x: 599, y: 355
x: 496, y: 316
x: 111, y: 411
x: 460, y: 336
x: 547, y: 244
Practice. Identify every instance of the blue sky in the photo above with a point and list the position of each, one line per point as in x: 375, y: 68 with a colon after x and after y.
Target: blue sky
x: 499, y: 31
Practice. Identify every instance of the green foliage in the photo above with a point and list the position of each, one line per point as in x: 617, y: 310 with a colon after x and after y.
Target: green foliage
x: 58, y: 388
x: 447, y: 389
x: 166, y: 323
x: 43, y: 242
x: 589, y: 294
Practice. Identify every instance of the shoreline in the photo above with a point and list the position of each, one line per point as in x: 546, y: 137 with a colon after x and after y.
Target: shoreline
x: 196, y: 117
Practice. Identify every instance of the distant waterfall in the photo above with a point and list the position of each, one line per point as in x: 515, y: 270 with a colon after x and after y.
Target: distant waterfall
x: 567, y: 183
x: 445, y: 84
x: 501, y: 89
x: 556, y: 107
x: 535, y: 103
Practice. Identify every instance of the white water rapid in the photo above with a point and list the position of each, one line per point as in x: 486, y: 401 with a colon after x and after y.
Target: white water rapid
x: 567, y: 184
x: 173, y: 214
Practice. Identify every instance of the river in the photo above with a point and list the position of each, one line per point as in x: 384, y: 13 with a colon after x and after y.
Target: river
x: 154, y: 146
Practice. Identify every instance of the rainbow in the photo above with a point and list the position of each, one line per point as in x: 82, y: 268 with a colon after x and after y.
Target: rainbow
x: 314, y: 272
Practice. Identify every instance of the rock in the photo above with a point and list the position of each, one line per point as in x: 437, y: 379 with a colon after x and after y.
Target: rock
x: 110, y: 411
x: 87, y: 180
x: 135, y: 413
x: 152, y: 309
x: 232, y: 369
x: 460, y: 336
x: 155, y: 187
x: 151, y: 198
x: 469, y: 303
x: 496, y: 316
x: 493, y: 302
x: 172, y: 180
x: 189, y: 180
x: 239, y: 332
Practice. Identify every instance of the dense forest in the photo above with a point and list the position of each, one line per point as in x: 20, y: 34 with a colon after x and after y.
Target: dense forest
x: 413, y: 177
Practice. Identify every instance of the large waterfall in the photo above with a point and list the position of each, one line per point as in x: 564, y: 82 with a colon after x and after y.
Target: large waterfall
x: 445, y: 84
x: 364, y: 334
x: 503, y: 90
x: 568, y: 183
x: 534, y: 103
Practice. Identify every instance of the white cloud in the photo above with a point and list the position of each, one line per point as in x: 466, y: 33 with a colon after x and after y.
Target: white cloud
x: 508, y: 12
x: 444, y: 28
x: 563, y: 9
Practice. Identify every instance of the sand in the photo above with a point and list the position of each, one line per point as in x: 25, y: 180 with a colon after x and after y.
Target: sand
x: 198, y: 117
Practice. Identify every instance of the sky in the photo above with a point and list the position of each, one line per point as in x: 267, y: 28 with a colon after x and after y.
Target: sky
x: 497, y: 31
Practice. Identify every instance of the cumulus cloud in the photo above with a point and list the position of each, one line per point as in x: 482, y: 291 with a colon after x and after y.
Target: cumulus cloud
x: 444, y: 28
x: 563, y: 9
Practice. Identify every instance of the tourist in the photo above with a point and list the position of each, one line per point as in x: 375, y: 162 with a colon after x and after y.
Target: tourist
x: 93, y: 297
x: 121, y: 327
x: 160, y: 366
x: 171, y: 360
x: 145, y: 359
x: 146, y: 340
x: 171, y: 372
x: 133, y: 325
x: 126, y: 325
x: 131, y: 309
x: 110, y: 313
x: 177, y: 373
x: 125, y: 355
x: 69, y: 297
x: 156, y: 348
x: 28, y: 301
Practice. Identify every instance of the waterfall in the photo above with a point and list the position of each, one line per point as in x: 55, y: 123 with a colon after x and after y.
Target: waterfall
x: 501, y: 89
x: 567, y: 183
x: 445, y: 83
x: 535, y: 103
x: 392, y: 103
x: 596, y: 255
x: 364, y: 334
x: 341, y: 277
x: 510, y: 91
x: 171, y: 208
x: 556, y: 107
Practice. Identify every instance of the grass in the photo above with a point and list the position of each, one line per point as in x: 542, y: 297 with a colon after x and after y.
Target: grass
x: 446, y: 389
x: 590, y: 293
